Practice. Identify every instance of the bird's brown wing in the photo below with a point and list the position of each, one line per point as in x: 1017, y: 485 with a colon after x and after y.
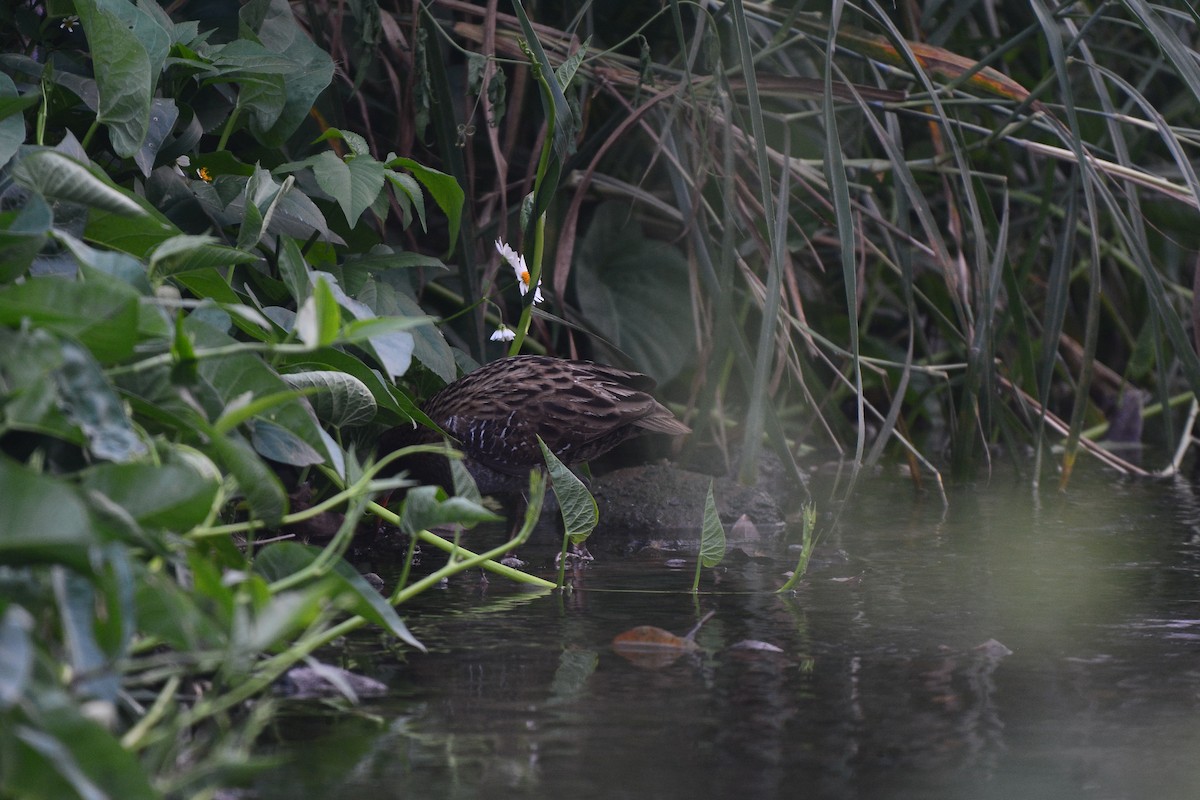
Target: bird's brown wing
x: 579, y: 409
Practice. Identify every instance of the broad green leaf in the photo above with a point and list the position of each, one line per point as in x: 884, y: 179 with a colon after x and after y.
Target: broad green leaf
x: 279, y: 444
x: 283, y: 615
x: 356, y: 142
x: 428, y: 506
x: 12, y: 123
x: 102, y: 265
x: 361, y: 330
x: 567, y: 69
x: 340, y: 400
x: 294, y: 270
x: 319, y: 318
x: 445, y: 190
x: 233, y: 376
x: 124, y: 76
x: 392, y: 349
x: 163, y: 116
x: 295, y: 215
x: 207, y: 579
x: 259, y: 485
x: 464, y: 482
x: 22, y: 235
x: 578, y: 507
x: 150, y: 24
x: 93, y: 404
x: 284, y: 559
x: 59, y: 177
x: 257, y: 195
x: 16, y: 654
x: 353, y: 183
x: 44, y: 520
x: 120, y: 273
x: 333, y: 176
x: 387, y: 397
x: 187, y: 253
x: 28, y: 367
x: 13, y: 104
x: 429, y: 344
x: 102, y: 316
x: 84, y: 756
x: 245, y: 406
x: 174, y: 615
x: 38, y: 765
x: 173, y: 496
x: 408, y: 192
x: 211, y: 284
x: 310, y: 68
x: 135, y: 235
x: 113, y: 616
x: 382, y: 258
x: 222, y: 162
x: 78, y: 603
x: 246, y: 59
x: 366, y: 182
x: 262, y: 97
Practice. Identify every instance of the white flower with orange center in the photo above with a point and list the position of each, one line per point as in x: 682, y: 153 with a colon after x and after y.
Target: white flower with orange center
x: 517, y: 262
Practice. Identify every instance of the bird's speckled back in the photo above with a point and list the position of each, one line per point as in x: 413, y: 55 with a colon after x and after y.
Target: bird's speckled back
x: 580, y: 409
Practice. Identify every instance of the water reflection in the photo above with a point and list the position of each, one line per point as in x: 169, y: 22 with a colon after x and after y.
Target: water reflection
x: 896, y: 678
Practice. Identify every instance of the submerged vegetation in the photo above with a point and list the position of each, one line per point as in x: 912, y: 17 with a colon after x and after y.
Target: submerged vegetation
x: 237, y: 241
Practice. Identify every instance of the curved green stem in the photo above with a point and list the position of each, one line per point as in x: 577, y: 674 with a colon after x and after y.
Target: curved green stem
x: 229, y: 126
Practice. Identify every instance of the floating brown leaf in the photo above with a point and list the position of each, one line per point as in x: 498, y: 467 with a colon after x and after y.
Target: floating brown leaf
x: 653, y: 648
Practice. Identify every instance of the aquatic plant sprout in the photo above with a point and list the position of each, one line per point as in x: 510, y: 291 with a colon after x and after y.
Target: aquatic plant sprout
x: 517, y: 262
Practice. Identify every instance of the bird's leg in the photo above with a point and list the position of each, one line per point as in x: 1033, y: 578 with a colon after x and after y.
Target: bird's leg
x: 515, y: 506
x: 578, y: 554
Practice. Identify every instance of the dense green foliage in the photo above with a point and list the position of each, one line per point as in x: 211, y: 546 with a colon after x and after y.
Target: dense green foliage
x: 225, y: 231
x: 201, y: 323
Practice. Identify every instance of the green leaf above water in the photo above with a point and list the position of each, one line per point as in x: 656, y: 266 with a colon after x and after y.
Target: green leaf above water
x: 712, y: 538
x: 579, y: 512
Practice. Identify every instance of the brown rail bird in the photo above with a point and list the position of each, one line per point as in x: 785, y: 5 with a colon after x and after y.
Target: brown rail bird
x: 581, y: 410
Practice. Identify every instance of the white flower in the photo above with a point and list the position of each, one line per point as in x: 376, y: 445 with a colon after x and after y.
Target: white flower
x: 180, y: 163
x: 69, y: 22
x: 504, y: 334
x: 517, y: 262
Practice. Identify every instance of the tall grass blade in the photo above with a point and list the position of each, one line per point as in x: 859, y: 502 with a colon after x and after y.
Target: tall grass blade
x: 769, y: 324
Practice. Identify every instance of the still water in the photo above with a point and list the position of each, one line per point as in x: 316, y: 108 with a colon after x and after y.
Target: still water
x: 895, y: 678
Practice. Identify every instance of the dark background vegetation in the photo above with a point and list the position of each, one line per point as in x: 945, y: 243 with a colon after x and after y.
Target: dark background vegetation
x: 239, y: 240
